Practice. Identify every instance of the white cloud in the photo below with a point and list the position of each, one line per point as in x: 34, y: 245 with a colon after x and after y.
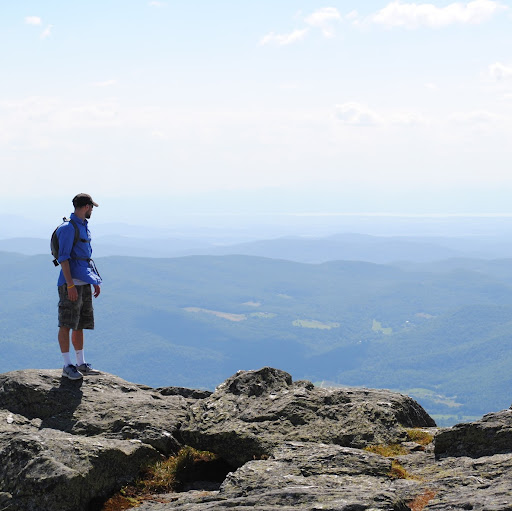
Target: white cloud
x: 155, y: 3
x: 35, y: 118
x: 33, y: 107
x: 408, y: 119
x: 159, y: 135
x: 357, y: 115
x: 33, y: 20
x: 323, y: 19
x: 500, y: 71
x: 104, y: 114
x: 352, y: 15
x: 106, y: 83
x: 431, y: 86
x: 47, y: 32
x: 412, y: 15
x: 475, y: 118
x: 37, y: 21
x: 284, y: 39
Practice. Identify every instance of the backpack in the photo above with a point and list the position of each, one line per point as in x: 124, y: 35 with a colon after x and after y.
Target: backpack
x: 54, y: 241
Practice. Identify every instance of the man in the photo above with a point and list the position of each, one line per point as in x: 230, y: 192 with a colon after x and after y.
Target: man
x: 78, y: 273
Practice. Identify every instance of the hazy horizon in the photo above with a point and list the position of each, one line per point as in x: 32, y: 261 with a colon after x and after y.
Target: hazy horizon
x: 235, y: 228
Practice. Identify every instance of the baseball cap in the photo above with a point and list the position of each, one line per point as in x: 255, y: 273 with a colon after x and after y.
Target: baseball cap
x: 82, y: 199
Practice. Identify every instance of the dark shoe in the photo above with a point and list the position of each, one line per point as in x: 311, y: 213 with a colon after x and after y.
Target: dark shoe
x: 71, y: 372
x: 86, y: 369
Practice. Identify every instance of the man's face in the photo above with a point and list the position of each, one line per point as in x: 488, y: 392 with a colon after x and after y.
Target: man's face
x: 88, y: 211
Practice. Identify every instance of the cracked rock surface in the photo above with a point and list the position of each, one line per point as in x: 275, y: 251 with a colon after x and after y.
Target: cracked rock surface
x: 66, y: 444
x: 292, y: 446
x: 254, y: 411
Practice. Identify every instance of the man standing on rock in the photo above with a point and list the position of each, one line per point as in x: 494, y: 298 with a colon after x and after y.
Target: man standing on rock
x: 78, y: 273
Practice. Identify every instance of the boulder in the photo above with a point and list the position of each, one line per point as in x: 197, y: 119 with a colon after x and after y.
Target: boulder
x: 66, y: 444
x: 254, y: 411
x: 50, y: 470
x: 492, y: 434
x: 306, y: 475
x: 99, y: 405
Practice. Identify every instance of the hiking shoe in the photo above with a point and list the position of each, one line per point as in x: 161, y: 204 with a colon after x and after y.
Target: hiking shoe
x: 70, y: 371
x: 86, y: 369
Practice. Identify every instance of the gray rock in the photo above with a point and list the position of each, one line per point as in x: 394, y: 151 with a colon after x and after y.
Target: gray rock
x: 182, y: 391
x: 301, y: 476
x: 54, y: 471
x: 492, y: 434
x: 483, y: 484
x: 102, y: 405
x: 5, y: 500
x: 254, y: 411
x: 67, y: 445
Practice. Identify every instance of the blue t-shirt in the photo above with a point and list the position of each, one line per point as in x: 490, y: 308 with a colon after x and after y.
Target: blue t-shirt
x: 77, y: 255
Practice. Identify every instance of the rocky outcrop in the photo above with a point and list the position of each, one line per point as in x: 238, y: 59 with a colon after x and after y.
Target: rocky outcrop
x: 67, y: 444
x: 290, y: 445
x: 302, y: 476
x: 102, y: 405
x: 305, y: 477
x: 52, y: 470
x: 492, y: 434
x: 254, y: 411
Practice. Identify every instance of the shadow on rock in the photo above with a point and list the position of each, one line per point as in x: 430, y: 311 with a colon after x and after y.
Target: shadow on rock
x: 69, y: 393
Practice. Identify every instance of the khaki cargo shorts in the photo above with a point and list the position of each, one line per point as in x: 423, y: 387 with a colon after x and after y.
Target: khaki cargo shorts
x: 77, y: 315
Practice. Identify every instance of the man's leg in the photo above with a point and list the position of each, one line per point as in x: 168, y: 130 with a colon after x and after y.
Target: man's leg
x: 86, y: 323
x: 69, y: 370
x: 64, y: 344
x: 77, y: 337
x: 68, y: 317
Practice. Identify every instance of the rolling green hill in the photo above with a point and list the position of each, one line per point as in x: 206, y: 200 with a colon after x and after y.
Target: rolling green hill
x: 441, y: 332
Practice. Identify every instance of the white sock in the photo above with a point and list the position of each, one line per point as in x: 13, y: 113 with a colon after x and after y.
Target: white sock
x: 67, y: 359
x: 80, y: 357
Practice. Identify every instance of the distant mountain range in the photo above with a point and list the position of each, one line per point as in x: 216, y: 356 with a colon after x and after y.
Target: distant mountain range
x: 439, y: 331
x: 351, y: 247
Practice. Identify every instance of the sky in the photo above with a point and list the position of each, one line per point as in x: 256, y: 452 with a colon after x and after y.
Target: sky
x: 160, y: 108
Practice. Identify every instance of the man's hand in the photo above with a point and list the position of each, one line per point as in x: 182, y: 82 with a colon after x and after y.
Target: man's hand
x: 97, y: 290
x: 72, y: 294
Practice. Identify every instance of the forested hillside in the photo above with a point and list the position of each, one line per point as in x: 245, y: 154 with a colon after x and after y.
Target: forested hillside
x: 440, y: 332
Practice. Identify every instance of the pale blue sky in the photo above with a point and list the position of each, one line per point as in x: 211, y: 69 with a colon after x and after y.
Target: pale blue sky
x: 259, y: 106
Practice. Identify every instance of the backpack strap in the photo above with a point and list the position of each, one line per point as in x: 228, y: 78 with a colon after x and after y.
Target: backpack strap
x: 77, y: 233
x: 77, y: 238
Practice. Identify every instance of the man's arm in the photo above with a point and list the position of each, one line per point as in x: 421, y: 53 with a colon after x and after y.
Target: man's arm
x: 72, y: 292
x: 66, y: 236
